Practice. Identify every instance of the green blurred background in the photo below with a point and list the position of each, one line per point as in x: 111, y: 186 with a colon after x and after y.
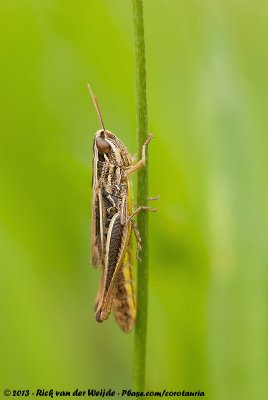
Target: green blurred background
x: 207, y: 98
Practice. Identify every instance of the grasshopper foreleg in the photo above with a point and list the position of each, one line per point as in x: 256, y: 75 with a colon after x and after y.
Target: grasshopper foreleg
x: 142, y: 162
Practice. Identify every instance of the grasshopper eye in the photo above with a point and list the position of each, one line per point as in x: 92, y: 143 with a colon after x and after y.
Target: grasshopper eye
x: 102, y: 145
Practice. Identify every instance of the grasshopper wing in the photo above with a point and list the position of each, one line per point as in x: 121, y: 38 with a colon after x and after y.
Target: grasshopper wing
x: 116, y: 245
x: 96, y: 229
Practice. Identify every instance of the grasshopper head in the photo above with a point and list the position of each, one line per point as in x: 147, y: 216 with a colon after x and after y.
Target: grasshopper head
x: 102, y: 141
x: 110, y: 148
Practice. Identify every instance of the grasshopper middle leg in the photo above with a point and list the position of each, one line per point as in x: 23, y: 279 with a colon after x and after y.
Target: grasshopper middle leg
x: 139, y: 209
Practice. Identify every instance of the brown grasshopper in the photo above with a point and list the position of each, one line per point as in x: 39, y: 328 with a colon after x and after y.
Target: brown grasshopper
x: 112, y: 224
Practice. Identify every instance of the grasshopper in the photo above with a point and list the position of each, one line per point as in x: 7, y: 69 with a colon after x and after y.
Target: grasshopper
x: 112, y: 224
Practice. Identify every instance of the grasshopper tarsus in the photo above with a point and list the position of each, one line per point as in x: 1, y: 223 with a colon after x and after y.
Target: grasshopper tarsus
x: 154, y: 198
x: 150, y: 136
x: 139, y: 248
x: 149, y: 199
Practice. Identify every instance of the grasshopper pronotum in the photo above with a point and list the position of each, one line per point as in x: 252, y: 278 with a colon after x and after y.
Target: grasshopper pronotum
x: 112, y: 224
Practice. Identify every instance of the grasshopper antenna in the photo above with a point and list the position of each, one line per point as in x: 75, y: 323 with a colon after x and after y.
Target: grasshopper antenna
x: 95, y: 102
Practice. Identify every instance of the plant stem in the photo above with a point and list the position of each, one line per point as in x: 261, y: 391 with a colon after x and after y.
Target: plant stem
x: 142, y: 198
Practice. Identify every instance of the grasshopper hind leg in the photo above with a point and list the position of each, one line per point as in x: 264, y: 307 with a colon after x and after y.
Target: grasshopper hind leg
x: 138, y: 239
x: 135, y: 227
x: 124, y: 302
